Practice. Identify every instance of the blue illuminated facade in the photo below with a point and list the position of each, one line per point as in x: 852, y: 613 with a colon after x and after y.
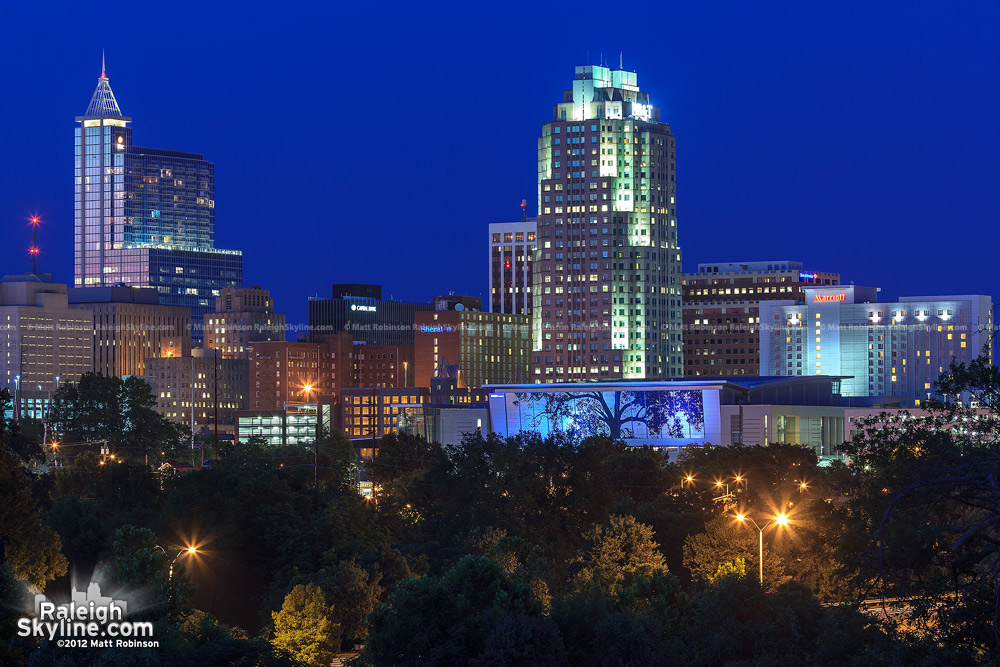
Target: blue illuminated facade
x: 896, y: 349
x: 657, y: 414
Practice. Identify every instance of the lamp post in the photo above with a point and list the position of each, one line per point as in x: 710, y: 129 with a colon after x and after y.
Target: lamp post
x: 307, y: 389
x: 781, y: 520
x: 188, y: 550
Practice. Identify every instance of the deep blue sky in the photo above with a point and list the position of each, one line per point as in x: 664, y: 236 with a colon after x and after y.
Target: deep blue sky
x: 374, y: 143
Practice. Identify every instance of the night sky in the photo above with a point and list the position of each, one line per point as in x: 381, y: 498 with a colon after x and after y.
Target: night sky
x: 375, y: 142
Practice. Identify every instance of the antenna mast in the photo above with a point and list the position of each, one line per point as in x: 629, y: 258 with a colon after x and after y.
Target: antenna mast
x: 33, y: 250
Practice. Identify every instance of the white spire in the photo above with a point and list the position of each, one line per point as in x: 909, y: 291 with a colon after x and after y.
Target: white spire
x: 103, y: 103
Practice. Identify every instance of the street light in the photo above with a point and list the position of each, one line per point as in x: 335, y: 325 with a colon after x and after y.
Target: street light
x: 781, y: 520
x: 688, y: 479
x: 188, y: 550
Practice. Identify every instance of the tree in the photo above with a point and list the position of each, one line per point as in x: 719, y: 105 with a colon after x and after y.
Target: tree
x: 31, y: 549
x: 144, y: 569
x: 352, y: 594
x: 118, y: 411
x: 927, y: 498
x: 398, y: 455
x: 24, y: 438
x: 473, y: 614
x: 623, y: 548
x: 724, y: 544
x: 337, y: 460
x: 638, y: 623
x: 304, y: 626
x: 736, y: 621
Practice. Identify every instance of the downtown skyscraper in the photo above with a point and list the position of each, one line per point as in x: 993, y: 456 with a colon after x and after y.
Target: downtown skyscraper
x: 606, y: 282
x: 145, y: 217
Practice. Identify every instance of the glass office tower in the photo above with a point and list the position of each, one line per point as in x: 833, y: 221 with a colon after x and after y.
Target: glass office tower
x: 145, y: 217
x: 606, y: 288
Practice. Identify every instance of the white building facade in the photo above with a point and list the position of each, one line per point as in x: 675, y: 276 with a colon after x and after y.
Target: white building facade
x: 881, y: 348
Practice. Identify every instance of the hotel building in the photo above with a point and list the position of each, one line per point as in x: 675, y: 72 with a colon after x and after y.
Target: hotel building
x: 895, y: 349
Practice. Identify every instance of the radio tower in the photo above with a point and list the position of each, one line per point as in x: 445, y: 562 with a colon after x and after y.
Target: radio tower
x: 33, y: 250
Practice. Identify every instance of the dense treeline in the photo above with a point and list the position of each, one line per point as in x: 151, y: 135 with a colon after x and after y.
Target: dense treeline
x: 529, y: 550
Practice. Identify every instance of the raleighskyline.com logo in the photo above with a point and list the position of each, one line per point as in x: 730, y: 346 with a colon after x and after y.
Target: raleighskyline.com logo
x: 87, y: 620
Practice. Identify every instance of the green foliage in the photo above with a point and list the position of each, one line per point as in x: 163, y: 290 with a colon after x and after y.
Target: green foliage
x: 925, y: 494
x: 616, y: 551
x: 305, y: 627
x: 473, y: 614
x: 31, y: 549
x: 637, y: 622
x: 398, y: 455
x: 351, y: 592
x: 120, y: 411
x: 143, y: 568
x: 353, y: 595
x: 13, y: 603
x: 737, y: 568
x: 736, y: 621
x: 338, y: 463
x: 726, y: 540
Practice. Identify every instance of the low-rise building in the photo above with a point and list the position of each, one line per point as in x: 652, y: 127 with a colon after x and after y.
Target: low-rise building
x: 204, y: 380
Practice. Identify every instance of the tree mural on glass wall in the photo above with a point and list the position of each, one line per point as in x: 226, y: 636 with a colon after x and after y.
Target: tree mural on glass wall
x: 618, y: 414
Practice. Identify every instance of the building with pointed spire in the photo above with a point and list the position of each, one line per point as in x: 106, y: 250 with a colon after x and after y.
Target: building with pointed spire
x: 145, y: 217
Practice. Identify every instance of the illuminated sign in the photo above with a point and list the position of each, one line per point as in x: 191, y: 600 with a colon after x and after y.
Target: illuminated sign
x: 362, y: 308
x: 820, y: 298
x: 437, y: 329
x: 808, y: 276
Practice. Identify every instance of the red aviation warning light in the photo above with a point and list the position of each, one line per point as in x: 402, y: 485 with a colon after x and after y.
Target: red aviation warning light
x: 33, y: 250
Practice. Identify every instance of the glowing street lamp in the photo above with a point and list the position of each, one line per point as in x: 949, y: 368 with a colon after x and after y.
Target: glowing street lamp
x: 187, y: 550
x: 688, y: 479
x: 781, y: 520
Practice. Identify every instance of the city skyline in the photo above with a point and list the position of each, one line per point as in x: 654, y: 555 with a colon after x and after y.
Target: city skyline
x: 807, y: 170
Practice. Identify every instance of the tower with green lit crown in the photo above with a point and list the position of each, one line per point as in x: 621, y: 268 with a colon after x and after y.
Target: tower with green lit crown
x: 145, y: 217
x: 606, y: 287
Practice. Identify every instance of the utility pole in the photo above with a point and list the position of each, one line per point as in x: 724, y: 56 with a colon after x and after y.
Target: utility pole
x: 191, y: 404
x: 215, y: 447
